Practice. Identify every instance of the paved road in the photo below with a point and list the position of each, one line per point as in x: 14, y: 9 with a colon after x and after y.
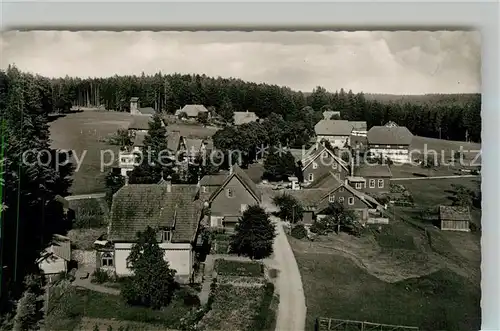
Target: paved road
x: 292, y: 305
x: 86, y: 196
x: 434, y: 177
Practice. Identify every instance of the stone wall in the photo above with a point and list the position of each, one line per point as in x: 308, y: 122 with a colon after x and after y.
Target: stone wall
x: 84, y: 257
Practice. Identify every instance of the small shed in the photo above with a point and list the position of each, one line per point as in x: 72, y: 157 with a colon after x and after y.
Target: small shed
x: 454, y: 218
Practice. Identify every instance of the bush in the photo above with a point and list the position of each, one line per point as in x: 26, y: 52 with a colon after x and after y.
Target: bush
x: 299, y: 232
x: 188, y: 296
x: 100, y: 276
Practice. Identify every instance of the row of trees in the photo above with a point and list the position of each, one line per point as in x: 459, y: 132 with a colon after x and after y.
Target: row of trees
x: 455, y: 117
x: 30, y: 212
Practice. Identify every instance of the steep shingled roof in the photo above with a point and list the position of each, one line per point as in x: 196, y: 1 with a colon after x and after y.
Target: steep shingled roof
x: 192, y: 110
x: 140, y: 205
x: 173, y: 140
x: 315, y: 154
x: 375, y: 170
x: 247, y: 182
x: 385, y: 135
x: 139, y: 139
x: 333, y: 128
x: 358, y: 125
x: 327, y: 114
x: 147, y: 110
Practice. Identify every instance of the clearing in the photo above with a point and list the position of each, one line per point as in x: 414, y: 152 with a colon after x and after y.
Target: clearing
x: 406, y: 273
x: 89, y: 130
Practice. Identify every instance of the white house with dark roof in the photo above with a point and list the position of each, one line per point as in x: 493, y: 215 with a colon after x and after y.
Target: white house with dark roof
x: 391, y: 142
x: 336, y: 132
x: 56, y: 257
x: 192, y: 111
x: 174, y: 211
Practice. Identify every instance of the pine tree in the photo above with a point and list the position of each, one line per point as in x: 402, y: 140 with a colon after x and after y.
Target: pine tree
x: 29, y: 314
x: 152, y: 283
x: 156, y: 158
x: 254, y: 234
x: 226, y: 111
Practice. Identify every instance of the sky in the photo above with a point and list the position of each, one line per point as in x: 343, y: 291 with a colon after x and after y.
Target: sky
x: 364, y: 61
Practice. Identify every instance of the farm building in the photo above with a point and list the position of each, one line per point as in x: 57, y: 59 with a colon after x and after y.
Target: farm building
x: 454, y: 218
x: 391, y: 142
x: 192, y: 111
x: 136, y: 110
x: 139, y: 123
x: 358, y: 128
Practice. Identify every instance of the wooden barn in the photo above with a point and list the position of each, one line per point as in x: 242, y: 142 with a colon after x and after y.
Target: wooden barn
x: 454, y: 218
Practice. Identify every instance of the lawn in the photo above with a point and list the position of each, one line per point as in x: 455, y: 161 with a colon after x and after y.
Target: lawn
x: 238, y: 268
x: 336, y: 288
x: 88, y: 131
x: 78, y: 305
x: 446, y: 146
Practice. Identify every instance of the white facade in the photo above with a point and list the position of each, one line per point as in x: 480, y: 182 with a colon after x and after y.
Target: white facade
x: 335, y: 141
x: 180, y: 257
x: 399, y: 155
x: 359, y: 133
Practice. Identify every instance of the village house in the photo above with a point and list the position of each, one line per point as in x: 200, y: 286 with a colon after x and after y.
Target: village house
x: 320, y: 161
x: 243, y: 117
x: 138, y: 123
x: 317, y: 200
x: 391, y: 142
x: 228, y: 196
x: 192, y: 111
x: 56, y: 257
x: 454, y: 218
x: 136, y: 110
x: 327, y: 114
x: 336, y: 132
x: 172, y: 210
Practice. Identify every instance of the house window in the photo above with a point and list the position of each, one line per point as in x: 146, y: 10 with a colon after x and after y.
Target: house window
x: 350, y: 201
x: 334, y: 165
x: 341, y: 199
x: 315, y: 165
x: 205, y: 189
x: 325, y: 154
x: 229, y: 193
x: 341, y: 189
x: 372, y: 183
x: 380, y: 183
x: 166, y: 236
x: 359, y: 186
x: 311, y: 177
x: 107, y: 260
x: 331, y: 198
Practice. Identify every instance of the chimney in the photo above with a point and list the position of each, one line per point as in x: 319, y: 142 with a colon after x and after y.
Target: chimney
x: 126, y: 179
x: 134, y: 108
x: 169, y: 184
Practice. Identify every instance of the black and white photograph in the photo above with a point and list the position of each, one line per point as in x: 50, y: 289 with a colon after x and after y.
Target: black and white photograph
x: 246, y: 181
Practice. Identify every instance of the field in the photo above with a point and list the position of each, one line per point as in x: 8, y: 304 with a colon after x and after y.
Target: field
x: 81, y: 309
x: 406, y: 273
x: 88, y: 131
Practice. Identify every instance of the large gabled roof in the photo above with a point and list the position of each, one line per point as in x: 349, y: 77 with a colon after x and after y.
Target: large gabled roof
x: 139, y: 122
x: 454, y: 213
x: 314, y: 155
x: 244, y: 179
x: 192, y: 110
x: 137, y: 206
x: 389, y: 135
x: 333, y: 128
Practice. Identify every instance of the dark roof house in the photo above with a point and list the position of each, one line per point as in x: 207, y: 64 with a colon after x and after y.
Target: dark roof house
x: 455, y: 218
x: 248, y: 183
x: 137, y: 206
x: 389, y: 135
x: 139, y: 122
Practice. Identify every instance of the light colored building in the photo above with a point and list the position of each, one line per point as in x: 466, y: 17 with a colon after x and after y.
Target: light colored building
x: 172, y: 210
x: 336, y: 132
x: 391, y: 142
x: 192, y: 111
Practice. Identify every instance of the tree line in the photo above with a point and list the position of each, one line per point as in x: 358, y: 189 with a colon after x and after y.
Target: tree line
x: 454, y: 117
x: 31, y: 211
